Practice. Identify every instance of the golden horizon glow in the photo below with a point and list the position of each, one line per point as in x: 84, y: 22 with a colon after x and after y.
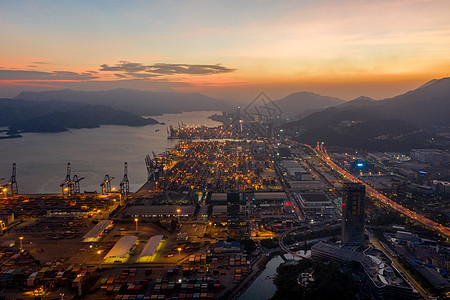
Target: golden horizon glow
x: 226, y: 49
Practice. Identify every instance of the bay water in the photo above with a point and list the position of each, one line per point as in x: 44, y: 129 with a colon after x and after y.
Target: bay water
x: 42, y: 158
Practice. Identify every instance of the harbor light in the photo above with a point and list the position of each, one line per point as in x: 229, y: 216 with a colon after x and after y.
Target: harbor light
x: 99, y: 252
x: 179, y: 256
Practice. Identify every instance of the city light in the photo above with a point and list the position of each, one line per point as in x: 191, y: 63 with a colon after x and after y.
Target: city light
x: 21, y: 245
x: 99, y: 252
x: 104, y: 85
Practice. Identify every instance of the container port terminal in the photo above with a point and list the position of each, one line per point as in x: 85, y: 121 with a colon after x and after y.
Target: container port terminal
x: 183, y: 234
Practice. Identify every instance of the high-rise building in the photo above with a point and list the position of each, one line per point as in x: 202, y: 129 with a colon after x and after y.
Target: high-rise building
x: 233, y: 199
x: 353, y: 214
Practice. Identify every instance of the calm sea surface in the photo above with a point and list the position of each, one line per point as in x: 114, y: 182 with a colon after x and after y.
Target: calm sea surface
x: 41, y: 158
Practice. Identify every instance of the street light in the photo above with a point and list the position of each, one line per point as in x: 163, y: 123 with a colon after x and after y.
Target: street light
x: 80, y: 289
x: 179, y: 256
x: 20, y: 240
x: 178, y: 212
x: 136, y: 220
x: 99, y: 252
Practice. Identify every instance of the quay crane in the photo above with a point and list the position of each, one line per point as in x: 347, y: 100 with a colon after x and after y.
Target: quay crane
x: 125, y: 184
x: 11, y: 187
x: 71, y: 186
x: 152, y: 167
x: 106, y: 184
x: 149, y: 166
x: 76, y: 184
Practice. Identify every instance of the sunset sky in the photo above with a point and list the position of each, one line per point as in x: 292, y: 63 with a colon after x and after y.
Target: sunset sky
x: 225, y: 49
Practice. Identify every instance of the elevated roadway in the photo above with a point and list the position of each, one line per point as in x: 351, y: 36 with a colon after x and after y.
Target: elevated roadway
x: 283, y: 246
x: 444, y: 230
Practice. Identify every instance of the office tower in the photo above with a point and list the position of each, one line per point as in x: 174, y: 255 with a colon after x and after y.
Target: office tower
x: 353, y: 214
x: 233, y: 199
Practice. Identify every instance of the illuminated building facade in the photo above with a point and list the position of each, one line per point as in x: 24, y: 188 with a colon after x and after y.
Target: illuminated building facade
x: 353, y: 214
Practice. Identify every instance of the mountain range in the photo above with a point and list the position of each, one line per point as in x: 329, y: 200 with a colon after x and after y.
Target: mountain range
x: 142, y: 103
x: 413, y: 119
x: 56, y: 111
x: 300, y: 104
x: 57, y: 116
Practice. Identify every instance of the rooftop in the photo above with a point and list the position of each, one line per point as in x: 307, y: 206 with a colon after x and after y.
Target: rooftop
x: 376, y: 265
x: 159, y: 210
x: 315, y: 197
x: 270, y: 195
x: 122, y: 247
x: 151, y: 246
x: 97, y: 230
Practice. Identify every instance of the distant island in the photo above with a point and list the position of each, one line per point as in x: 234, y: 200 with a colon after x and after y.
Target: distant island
x: 143, y: 103
x: 62, y: 110
x: 56, y: 116
x: 10, y: 136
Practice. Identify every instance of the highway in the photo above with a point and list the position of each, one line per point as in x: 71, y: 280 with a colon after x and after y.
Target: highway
x: 320, y: 152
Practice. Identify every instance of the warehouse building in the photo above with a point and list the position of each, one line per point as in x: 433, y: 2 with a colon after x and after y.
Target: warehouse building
x: 159, y: 211
x: 315, y: 203
x: 148, y: 254
x: 119, y: 253
x: 96, y: 232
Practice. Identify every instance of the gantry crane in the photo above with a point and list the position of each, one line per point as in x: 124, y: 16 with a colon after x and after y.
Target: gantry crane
x: 125, y: 184
x: 11, y: 187
x: 106, y: 184
x: 76, y: 184
x: 70, y: 186
x: 149, y: 166
x: 152, y: 167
